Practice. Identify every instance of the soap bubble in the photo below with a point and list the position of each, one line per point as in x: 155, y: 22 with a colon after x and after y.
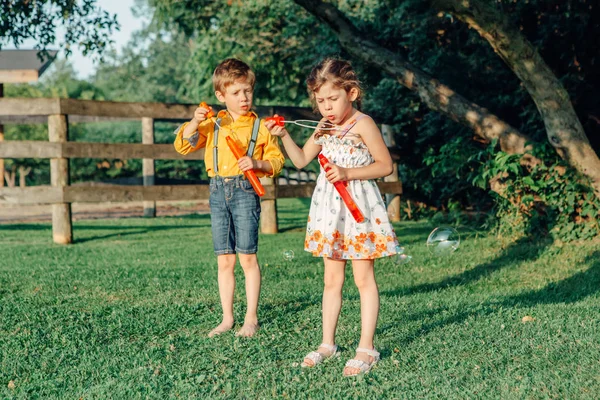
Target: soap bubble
x: 443, y: 241
x: 401, y: 256
x: 288, y: 255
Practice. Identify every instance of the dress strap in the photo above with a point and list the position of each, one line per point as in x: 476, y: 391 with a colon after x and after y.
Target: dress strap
x: 350, y: 124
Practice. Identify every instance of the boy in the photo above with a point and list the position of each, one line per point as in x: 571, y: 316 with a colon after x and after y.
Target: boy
x: 234, y: 206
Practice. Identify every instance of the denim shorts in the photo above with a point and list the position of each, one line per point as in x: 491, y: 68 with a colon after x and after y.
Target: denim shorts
x: 234, y: 215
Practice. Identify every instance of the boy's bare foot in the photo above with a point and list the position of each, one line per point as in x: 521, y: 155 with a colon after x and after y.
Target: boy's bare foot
x: 247, y: 330
x: 221, y: 328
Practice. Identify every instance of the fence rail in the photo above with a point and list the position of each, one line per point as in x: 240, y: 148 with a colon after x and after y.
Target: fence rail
x: 57, y: 113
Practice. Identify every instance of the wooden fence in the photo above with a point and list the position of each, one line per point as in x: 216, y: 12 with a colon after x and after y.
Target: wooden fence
x: 57, y: 113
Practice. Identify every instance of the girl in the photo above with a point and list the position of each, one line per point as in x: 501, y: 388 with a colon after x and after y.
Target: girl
x: 357, y: 154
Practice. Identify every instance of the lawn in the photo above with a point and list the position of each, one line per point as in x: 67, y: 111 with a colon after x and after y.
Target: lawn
x: 123, y: 314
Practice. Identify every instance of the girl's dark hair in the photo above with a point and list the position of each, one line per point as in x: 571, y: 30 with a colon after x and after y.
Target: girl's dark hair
x: 339, y: 73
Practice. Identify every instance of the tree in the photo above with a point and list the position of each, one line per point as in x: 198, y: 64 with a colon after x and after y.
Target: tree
x: 563, y: 127
x: 85, y: 25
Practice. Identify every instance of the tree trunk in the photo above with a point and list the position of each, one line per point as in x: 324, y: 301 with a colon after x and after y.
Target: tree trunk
x: 436, y: 95
x: 11, y: 176
x: 563, y: 127
x: 23, y: 172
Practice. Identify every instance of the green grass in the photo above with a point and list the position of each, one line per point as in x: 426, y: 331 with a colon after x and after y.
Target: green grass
x: 123, y: 313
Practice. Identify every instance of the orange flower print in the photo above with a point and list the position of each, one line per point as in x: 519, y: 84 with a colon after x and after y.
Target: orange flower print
x: 362, y: 238
x: 372, y: 237
x: 377, y: 221
x: 317, y: 235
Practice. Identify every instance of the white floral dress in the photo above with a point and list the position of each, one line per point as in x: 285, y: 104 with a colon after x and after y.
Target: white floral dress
x: 331, y: 230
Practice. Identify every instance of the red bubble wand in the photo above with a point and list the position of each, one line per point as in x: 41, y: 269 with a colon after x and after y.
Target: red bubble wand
x: 238, y: 153
x: 343, y: 191
x: 250, y: 174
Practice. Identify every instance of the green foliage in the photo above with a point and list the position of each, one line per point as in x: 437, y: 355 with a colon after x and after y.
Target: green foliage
x: 544, y: 198
x: 85, y: 25
x: 280, y: 50
x: 172, y: 59
x: 151, y: 68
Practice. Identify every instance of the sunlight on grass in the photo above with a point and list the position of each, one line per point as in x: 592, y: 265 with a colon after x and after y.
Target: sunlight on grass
x: 124, y: 312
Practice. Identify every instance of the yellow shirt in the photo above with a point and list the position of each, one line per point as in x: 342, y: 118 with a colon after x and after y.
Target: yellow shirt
x: 266, y: 147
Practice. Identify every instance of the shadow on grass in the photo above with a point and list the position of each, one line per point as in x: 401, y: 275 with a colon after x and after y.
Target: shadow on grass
x: 25, y: 227
x: 570, y: 290
x: 521, y: 251
x: 281, y: 312
x: 292, y: 216
x: 121, y: 231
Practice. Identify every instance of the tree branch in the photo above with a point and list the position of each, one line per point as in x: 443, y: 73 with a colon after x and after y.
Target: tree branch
x: 563, y: 127
x: 436, y: 95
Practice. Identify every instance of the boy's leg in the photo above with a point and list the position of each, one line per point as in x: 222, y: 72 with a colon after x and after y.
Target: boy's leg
x: 332, y: 302
x: 251, y: 269
x: 364, y: 277
x: 245, y: 211
x: 226, y: 279
x: 224, y: 247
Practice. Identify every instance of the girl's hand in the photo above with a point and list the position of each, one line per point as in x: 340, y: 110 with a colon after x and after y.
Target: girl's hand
x: 275, y: 129
x: 246, y: 163
x: 336, y: 173
x: 200, y: 114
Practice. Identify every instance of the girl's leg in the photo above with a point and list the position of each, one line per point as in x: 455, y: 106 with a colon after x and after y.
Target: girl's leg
x: 332, y: 302
x: 364, y: 277
x: 226, y: 280
x: 251, y: 269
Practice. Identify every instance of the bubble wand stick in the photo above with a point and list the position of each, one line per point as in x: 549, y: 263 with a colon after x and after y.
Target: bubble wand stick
x: 305, y: 123
x: 341, y: 188
x: 250, y: 174
x: 238, y: 153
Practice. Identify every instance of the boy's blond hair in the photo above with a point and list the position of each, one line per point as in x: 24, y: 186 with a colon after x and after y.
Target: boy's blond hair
x: 229, y: 71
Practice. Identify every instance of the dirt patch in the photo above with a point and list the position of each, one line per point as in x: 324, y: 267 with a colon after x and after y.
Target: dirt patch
x: 10, y: 214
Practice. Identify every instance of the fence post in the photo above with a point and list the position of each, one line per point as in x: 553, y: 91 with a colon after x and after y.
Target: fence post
x: 62, y: 228
x: 148, y: 164
x: 393, y: 200
x: 268, y: 213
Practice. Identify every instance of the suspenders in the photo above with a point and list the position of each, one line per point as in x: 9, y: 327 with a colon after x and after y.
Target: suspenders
x: 216, y: 142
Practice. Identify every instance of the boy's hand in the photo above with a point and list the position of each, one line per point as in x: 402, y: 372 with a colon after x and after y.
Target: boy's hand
x: 336, y: 173
x: 246, y: 163
x: 201, y: 114
x: 275, y: 129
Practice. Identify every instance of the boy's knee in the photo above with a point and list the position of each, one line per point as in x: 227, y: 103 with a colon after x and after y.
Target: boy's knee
x: 248, y: 261
x: 226, y: 262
